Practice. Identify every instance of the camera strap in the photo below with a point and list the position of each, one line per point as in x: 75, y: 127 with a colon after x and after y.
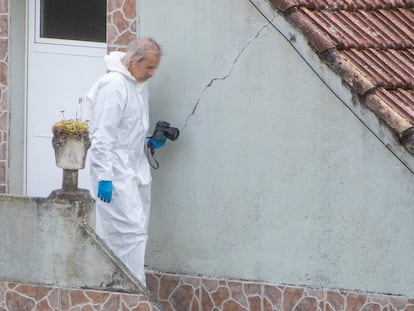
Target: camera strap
x: 151, y: 158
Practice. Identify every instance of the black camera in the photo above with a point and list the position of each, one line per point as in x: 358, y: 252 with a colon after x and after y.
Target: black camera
x: 163, y: 128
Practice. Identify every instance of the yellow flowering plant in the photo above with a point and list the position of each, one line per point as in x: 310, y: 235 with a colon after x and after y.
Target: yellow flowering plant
x: 71, y: 128
x: 66, y: 128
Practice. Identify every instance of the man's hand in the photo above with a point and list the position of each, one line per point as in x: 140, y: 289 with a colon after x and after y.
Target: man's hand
x: 105, y: 191
x: 154, y: 143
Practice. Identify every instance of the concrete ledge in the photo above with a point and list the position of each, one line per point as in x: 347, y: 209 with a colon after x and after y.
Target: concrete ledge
x: 50, y: 242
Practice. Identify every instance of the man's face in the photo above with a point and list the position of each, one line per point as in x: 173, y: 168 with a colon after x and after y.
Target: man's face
x: 145, y: 69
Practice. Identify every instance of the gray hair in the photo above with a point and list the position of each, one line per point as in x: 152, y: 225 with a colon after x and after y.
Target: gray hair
x: 138, y: 49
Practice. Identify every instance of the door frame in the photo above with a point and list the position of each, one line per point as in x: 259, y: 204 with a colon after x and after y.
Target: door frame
x: 16, y: 170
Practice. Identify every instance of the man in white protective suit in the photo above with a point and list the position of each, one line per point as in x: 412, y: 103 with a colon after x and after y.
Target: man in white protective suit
x: 120, y: 171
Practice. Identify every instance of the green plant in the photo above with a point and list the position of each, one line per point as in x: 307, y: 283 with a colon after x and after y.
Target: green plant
x: 67, y: 128
x: 72, y: 127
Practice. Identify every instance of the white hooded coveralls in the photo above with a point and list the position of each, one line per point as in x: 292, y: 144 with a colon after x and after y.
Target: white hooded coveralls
x: 118, y: 107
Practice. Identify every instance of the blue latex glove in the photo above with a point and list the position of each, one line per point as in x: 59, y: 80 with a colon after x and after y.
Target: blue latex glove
x: 105, y: 191
x: 156, y: 143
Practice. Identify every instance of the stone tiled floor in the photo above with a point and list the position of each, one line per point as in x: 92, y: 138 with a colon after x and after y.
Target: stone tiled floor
x: 184, y: 293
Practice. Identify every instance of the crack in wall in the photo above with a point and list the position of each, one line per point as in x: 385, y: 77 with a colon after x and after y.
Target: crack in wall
x: 222, y: 78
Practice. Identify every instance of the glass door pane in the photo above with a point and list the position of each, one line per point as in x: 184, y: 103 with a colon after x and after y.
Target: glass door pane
x: 83, y: 20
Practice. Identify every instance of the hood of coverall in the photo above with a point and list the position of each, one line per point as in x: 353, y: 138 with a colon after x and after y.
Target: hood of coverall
x: 113, y: 62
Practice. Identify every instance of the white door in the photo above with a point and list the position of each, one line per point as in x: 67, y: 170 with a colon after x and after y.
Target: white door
x: 61, y: 68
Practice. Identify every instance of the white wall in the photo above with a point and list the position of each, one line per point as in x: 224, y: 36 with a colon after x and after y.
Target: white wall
x: 273, y: 178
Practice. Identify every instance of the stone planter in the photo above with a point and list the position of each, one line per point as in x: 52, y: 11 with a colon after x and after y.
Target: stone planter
x: 70, y: 152
x: 70, y: 155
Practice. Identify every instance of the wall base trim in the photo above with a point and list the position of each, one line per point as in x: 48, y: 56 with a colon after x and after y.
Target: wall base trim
x: 196, y: 293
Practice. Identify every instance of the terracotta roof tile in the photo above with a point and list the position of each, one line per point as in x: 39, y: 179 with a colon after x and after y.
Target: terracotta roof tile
x: 370, y: 44
x: 317, y: 36
x: 349, y: 5
x: 380, y: 29
x: 404, y: 98
x: 396, y: 119
x: 350, y: 73
x: 284, y: 5
x: 384, y: 68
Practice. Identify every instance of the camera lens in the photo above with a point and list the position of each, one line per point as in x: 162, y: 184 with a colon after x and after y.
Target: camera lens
x: 172, y: 133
